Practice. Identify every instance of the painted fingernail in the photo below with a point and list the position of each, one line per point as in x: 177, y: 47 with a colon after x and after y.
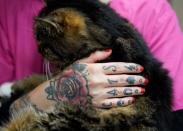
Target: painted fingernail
x: 133, y: 100
x: 146, y: 81
x: 142, y: 91
x: 108, y: 50
x: 141, y: 68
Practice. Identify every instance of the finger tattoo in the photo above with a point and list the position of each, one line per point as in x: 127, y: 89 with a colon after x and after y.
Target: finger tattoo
x: 120, y: 102
x: 132, y: 67
x: 107, y: 105
x: 141, y: 82
x: 136, y: 91
x: 130, y: 80
x: 127, y: 91
x: 112, y: 81
x: 113, y: 92
x: 111, y: 67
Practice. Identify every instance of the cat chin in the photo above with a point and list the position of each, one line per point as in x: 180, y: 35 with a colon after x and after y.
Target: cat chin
x: 5, y: 90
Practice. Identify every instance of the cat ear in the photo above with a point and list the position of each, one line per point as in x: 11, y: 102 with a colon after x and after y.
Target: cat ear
x: 48, y: 22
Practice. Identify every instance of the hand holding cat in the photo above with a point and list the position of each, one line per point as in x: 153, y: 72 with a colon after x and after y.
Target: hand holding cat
x: 107, y: 83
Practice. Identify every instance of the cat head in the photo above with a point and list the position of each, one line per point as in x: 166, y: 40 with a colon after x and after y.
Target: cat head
x: 68, y: 30
x: 65, y: 33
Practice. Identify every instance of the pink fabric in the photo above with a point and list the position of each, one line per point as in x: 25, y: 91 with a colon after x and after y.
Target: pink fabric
x: 158, y: 24
x: 18, y: 51
x: 154, y: 19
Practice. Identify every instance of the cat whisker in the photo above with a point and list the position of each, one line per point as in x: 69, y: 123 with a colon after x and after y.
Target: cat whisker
x: 46, y: 68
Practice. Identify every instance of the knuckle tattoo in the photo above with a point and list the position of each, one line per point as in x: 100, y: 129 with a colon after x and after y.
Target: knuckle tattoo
x: 136, y: 91
x: 107, y: 105
x: 120, y: 103
x: 113, y: 92
x: 112, y: 68
x: 141, y: 81
x: 132, y: 67
x: 128, y: 91
x: 112, y: 81
x: 130, y: 80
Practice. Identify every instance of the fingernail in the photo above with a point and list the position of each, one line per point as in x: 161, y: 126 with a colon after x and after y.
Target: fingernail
x: 142, y: 91
x: 146, y: 81
x: 108, y: 50
x: 141, y: 68
x: 133, y: 100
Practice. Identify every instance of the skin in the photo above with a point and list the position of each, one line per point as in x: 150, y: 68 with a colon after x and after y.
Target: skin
x: 107, y: 83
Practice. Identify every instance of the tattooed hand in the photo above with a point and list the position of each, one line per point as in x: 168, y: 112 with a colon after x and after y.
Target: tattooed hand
x: 107, y: 83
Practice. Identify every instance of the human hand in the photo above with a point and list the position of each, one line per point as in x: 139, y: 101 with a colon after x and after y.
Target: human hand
x: 107, y: 83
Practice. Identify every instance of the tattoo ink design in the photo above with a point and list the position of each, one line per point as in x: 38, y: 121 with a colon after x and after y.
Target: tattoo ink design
x: 120, y: 103
x: 65, y: 88
x: 113, y: 92
x: 79, y: 67
x: 71, y: 86
x: 130, y: 80
x: 127, y: 91
x: 112, y: 81
x: 50, y: 90
x: 112, y: 67
x: 132, y: 67
x: 105, y: 105
x: 141, y: 82
x: 136, y: 91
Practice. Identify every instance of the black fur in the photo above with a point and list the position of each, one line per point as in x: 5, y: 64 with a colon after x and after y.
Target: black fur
x: 128, y: 46
x: 133, y: 49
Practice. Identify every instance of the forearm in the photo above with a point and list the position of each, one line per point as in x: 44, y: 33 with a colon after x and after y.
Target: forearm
x: 37, y: 98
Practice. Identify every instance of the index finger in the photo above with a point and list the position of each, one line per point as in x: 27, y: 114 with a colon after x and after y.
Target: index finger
x: 119, y: 68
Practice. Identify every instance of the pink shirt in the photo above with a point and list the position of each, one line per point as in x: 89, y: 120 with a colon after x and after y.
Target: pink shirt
x: 158, y: 24
x: 18, y: 51
x: 154, y: 19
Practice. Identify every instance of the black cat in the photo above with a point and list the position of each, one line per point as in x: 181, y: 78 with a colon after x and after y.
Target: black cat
x: 68, y: 30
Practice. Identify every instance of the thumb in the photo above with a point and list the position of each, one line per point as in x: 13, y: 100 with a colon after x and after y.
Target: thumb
x: 96, y: 56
